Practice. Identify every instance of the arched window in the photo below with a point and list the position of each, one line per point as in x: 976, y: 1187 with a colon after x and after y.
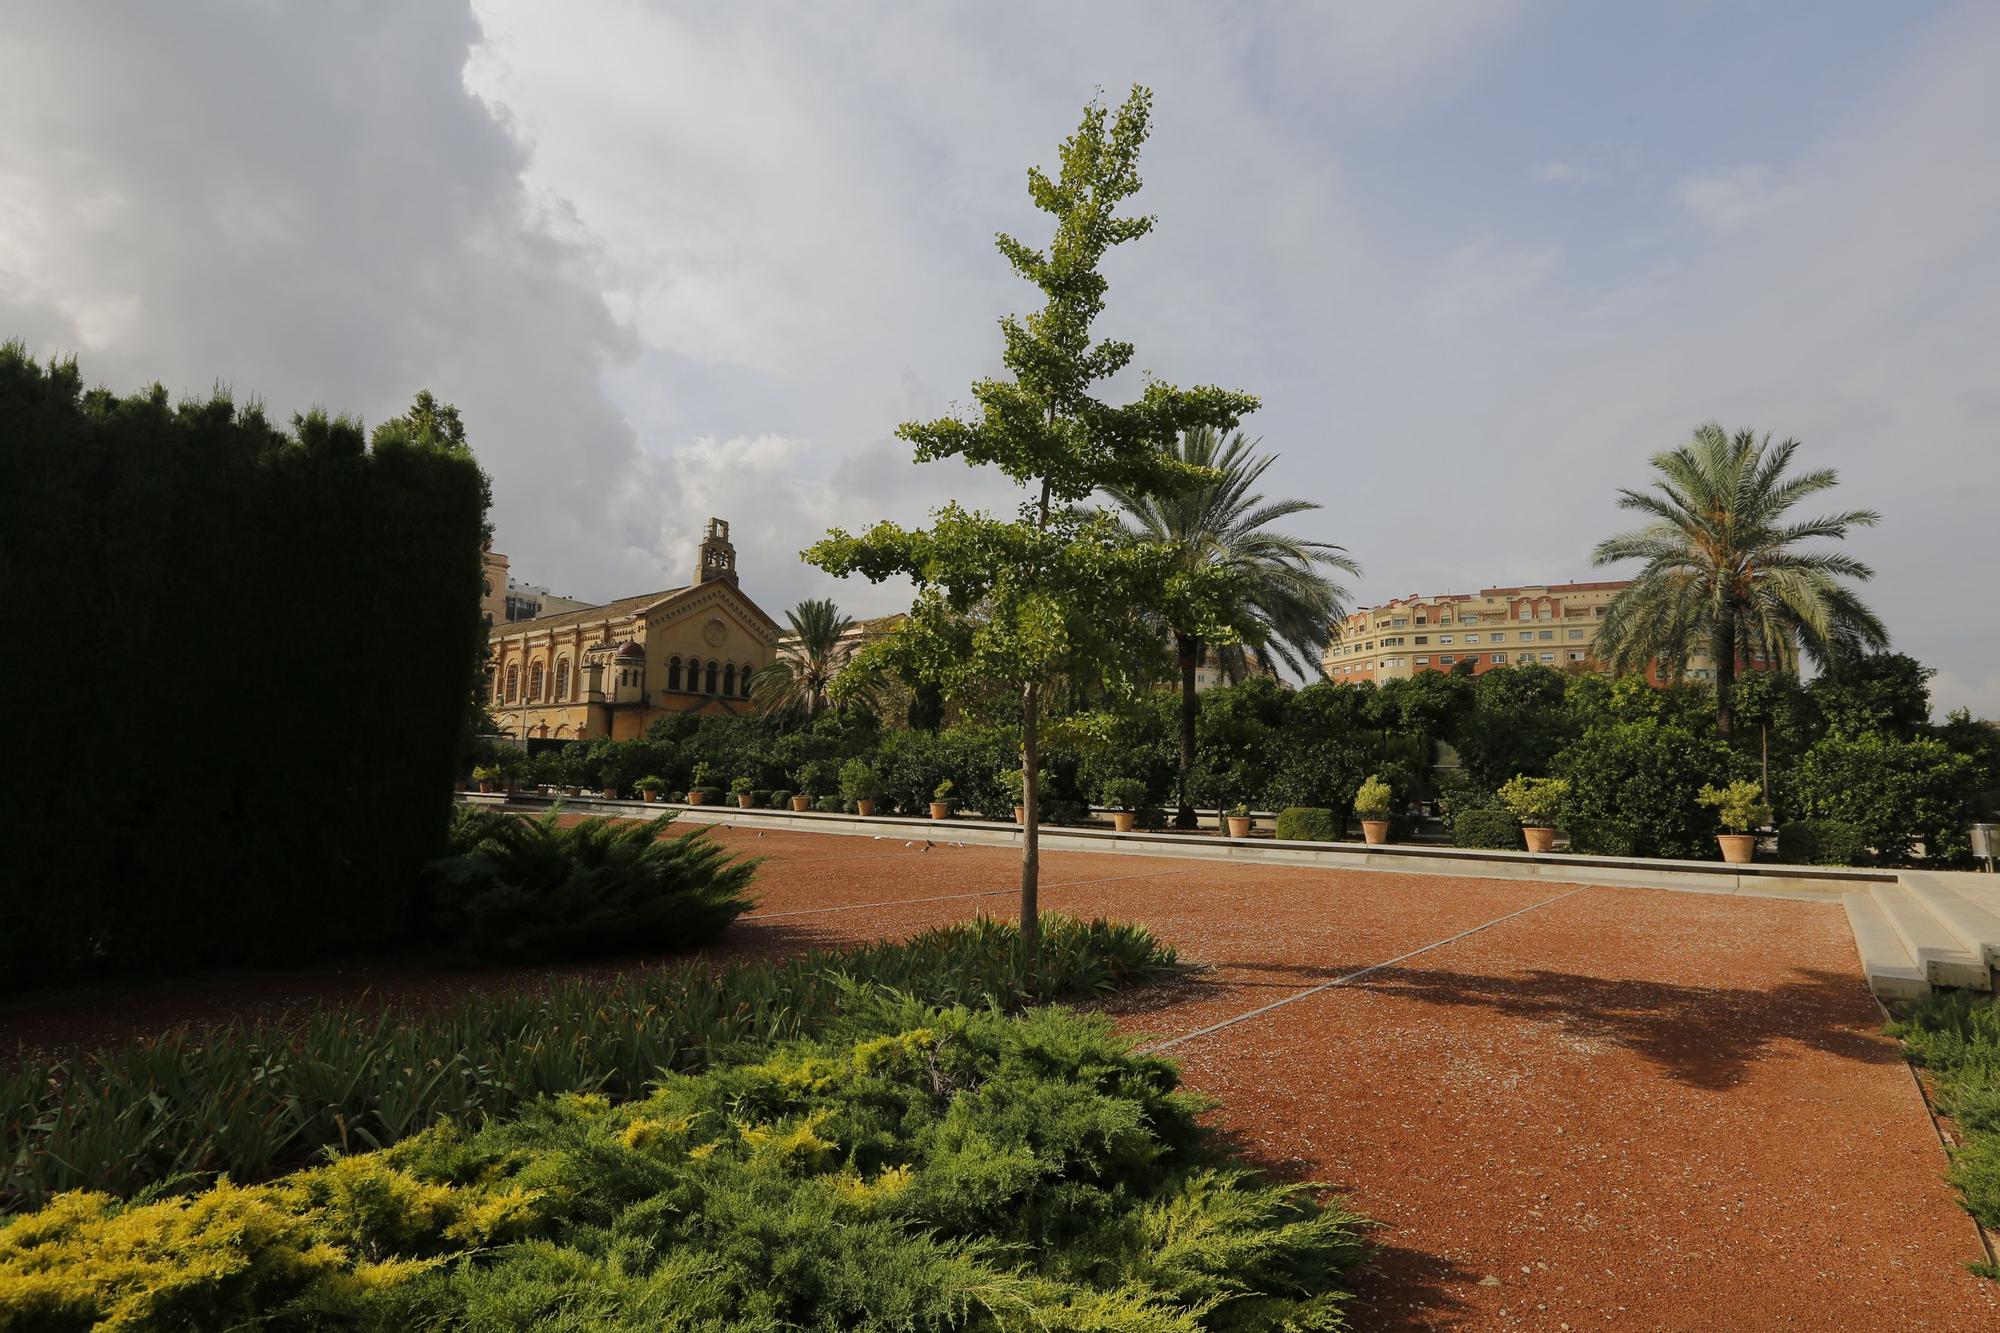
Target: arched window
x: 513, y: 681
x: 562, y: 680
x: 744, y: 680
x: 711, y: 676
x: 535, y: 682
x: 729, y: 679
x: 492, y: 683
x: 673, y: 673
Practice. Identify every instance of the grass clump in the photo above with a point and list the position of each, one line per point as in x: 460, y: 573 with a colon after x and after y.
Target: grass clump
x: 255, y: 1098
x: 913, y: 1168
x: 516, y: 889
x: 1956, y: 1036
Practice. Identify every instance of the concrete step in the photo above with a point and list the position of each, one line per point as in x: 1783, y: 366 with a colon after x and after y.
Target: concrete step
x: 1931, y: 946
x: 1975, y: 925
x: 1886, y: 963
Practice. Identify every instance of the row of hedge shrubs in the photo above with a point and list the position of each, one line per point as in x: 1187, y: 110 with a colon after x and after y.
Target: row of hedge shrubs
x: 915, y: 1168
x: 262, y: 1096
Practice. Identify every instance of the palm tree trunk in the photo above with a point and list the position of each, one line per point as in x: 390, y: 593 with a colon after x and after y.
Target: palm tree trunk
x: 1031, y: 925
x: 1723, y: 649
x: 1188, y: 648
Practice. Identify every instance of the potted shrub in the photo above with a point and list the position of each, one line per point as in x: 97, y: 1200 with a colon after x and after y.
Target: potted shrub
x: 486, y: 775
x: 698, y: 785
x: 941, y: 800
x: 1740, y: 809
x: 1537, y: 803
x: 861, y: 784
x: 741, y: 788
x: 1239, y: 820
x: 1010, y: 782
x: 650, y: 788
x: 1371, y: 807
x: 815, y: 778
x: 1124, y: 796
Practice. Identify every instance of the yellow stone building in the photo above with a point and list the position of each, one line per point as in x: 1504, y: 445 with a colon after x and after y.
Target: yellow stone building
x: 610, y: 670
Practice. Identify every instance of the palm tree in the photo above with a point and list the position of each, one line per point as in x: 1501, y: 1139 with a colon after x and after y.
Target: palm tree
x: 1288, y: 604
x: 800, y: 678
x: 1722, y: 570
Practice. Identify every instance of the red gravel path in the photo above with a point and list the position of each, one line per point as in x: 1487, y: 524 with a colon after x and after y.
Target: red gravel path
x: 1621, y: 1108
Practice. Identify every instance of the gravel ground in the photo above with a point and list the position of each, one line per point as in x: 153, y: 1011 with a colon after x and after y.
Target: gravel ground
x: 1613, y: 1108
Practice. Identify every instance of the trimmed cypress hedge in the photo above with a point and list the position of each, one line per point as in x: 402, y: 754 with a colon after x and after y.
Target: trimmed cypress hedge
x: 1496, y: 830
x: 264, y: 641
x: 1309, y: 823
x: 1823, y: 842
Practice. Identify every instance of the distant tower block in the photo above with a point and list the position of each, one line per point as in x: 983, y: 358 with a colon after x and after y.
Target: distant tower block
x: 718, y: 557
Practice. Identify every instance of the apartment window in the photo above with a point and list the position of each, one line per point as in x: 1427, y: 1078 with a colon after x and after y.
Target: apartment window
x: 1498, y: 659
x: 1600, y: 610
x: 1420, y: 620
x: 1423, y: 661
x: 1444, y: 638
x: 1400, y: 622
x: 1576, y: 634
x: 673, y: 673
x: 1548, y: 657
x: 1548, y: 634
x: 1446, y: 660
x: 1469, y: 618
x: 1472, y: 638
x: 535, y: 682
x: 1545, y: 614
x: 562, y: 680
x: 513, y: 683
x: 1576, y: 657
x: 1423, y: 638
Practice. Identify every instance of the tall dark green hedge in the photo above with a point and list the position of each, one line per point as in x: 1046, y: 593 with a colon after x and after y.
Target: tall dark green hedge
x: 238, y: 667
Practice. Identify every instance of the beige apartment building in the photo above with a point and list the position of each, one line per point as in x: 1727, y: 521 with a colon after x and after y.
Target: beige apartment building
x: 1548, y: 624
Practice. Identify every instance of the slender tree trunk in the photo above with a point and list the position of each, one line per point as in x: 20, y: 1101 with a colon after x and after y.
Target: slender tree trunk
x: 1031, y: 793
x: 1724, y: 651
x: 1188, y: 649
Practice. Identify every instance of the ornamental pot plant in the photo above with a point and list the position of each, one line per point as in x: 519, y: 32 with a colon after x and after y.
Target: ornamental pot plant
x: 741, y: 788
x: 1124, y: 796
x: 486, y: 775
x: 1537, y: 803
x: 1010, y: 782
x: 704, y: 776
x: 1371, y: 807
x: 1740, y: 809
x: 941, y: 800
x: 861, y: 784
x: 650, y: 788
x: 608, y: 792
x: 1239, y: 820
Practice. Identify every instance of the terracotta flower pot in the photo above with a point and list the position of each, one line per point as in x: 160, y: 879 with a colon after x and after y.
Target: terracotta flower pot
x: 940, y: 809
x: 570, y: 791
x: 864, y: 808
x: 610, y: 793
x: 1738, y: 849
x: 1239, y: 826
x: 1020, y: 814
x: 486, y: 786
x: 1539, y: 837
x: 1375, y: 831
x: 694, y: 798
x: 802, y: 802
x: 649, y: 796
x: 1124, y: 821
x: 743, y: 799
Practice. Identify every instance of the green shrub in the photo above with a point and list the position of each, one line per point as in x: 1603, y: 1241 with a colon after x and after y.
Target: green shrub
x: 1493, y: 829
x: 1122, y: 793
x: 781, y: 799
x: 1590, y: 835
x: 1374, y: 798
x: 1956, y: 1036
x: 917, y: 1165
x: 859, y: 781
x: 830, y: 805
x: 1898, y: 793
x: 742, y: 786
x: 710, y: 795
x: 1739, y: 807
x: 517, y: 888
x: 759, y: 799
x: 1309, y: 823
x: 1823, y: 842
x: 1535, y: 802
x: 258, y: 1097
x: 1646, y: 774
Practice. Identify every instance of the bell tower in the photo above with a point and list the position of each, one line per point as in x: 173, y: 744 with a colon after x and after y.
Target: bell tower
x: 718, y: 556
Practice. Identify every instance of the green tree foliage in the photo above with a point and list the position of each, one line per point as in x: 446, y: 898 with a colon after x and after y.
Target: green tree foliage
x: 1899, y: 793
x: 1026, y: 602
x: 268, y: 640
x: 800, y: 679
x: 1285, y: 602
x: 1236, y: 741
x: 1517, y: 722
x: 1647, y: 775
x: 1883, y: 694
x: 1330, y: 742
x: 1723, y: 570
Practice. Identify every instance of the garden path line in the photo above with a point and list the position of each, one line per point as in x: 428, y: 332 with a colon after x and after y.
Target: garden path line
x: 950, y: 897
x: 1248, y: 1014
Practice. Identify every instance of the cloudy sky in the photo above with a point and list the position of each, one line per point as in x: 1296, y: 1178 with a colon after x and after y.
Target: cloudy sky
x: 1479, y: 259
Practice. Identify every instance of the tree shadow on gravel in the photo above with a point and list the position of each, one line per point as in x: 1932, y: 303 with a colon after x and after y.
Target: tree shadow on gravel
x: 1704, y: 1036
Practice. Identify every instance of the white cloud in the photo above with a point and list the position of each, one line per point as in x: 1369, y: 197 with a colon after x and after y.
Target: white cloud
x: 1725, y: 200
x: 1479, y: 279
x: 1980, y: 695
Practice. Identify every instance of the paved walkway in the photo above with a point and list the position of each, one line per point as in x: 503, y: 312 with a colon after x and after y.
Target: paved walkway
x: 1583, y: 1108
